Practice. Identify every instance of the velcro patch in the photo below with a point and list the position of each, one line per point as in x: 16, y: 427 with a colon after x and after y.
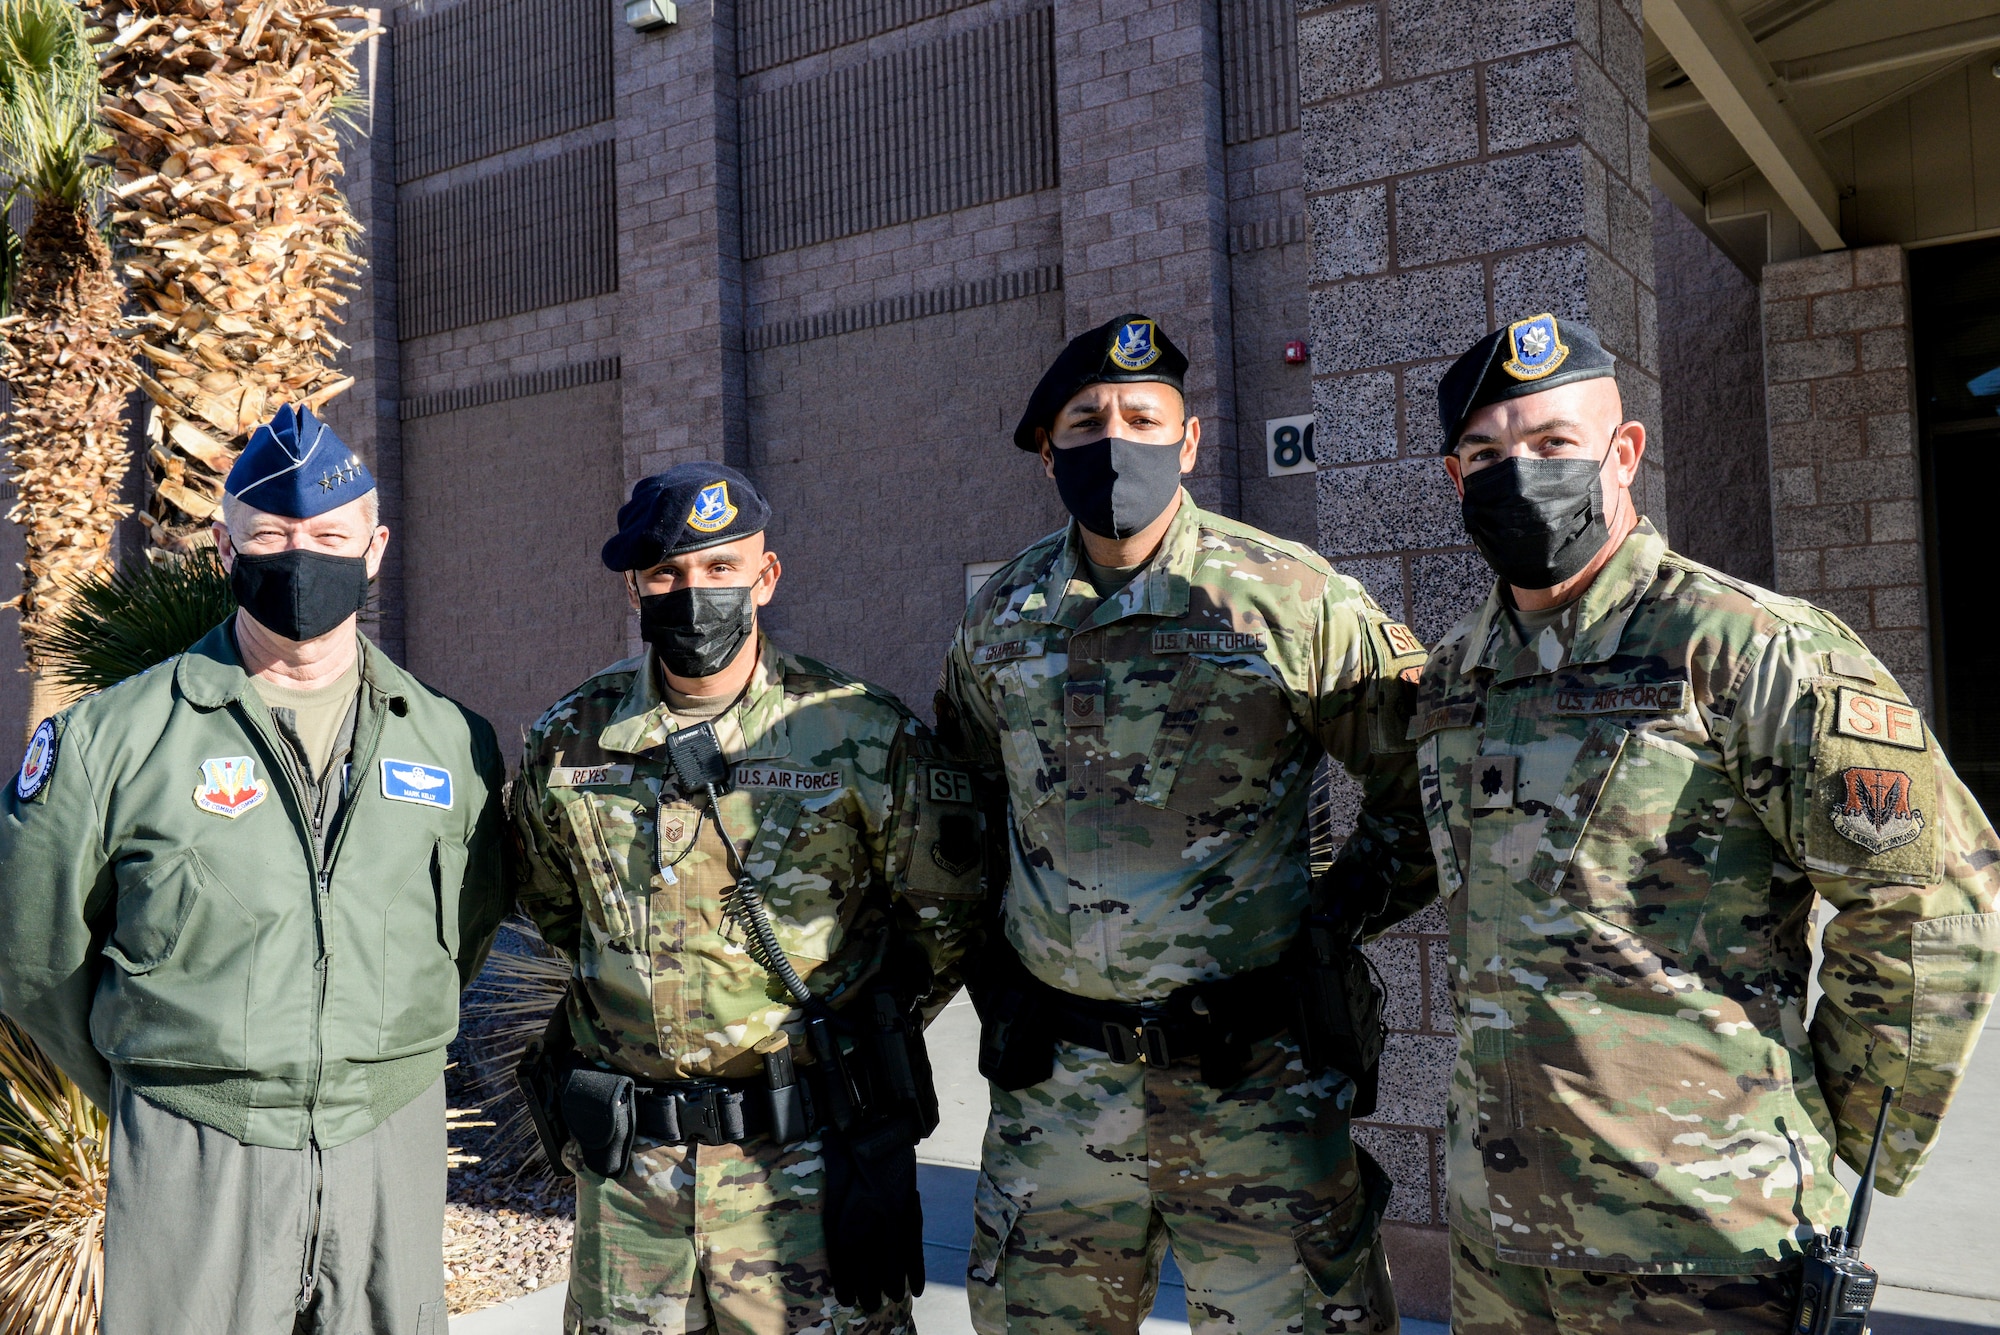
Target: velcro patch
x: 1006, y: 651
x: 1873, y: 809
x: 1083, y: 704
x: 588, y: 776
x: 1850, y: 665
x: 944, y: 784
x: 1208, y: 642
x: 808, y: 781
x: 1875, y: 718
x: 1659, y: 697
x: 1493, y: 782
x: 414, y: 781
x: 1402, y: 641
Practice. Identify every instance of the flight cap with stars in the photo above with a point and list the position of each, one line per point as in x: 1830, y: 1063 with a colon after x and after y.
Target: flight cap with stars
x: 297, y: 467
x: 1526, y: 357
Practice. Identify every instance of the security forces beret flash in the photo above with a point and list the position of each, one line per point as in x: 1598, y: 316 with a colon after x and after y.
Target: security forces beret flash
x: 297, y: 467
x: 1526, y: 357
x: 686, y: 508
x: 1128, y: 349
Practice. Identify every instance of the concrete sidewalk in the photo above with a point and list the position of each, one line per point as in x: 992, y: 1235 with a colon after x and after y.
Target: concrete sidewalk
x: 1935, y: 1248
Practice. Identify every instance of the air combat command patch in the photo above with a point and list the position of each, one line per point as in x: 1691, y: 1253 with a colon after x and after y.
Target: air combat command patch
x: 38, y: 764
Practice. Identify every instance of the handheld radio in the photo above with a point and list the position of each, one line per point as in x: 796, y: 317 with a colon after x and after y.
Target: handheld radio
x: 1838, y: 1287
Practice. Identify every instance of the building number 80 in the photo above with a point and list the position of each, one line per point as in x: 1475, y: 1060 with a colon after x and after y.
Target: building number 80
x: 1291, y: 447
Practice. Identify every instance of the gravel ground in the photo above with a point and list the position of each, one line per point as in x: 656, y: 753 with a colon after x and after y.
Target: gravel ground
x: 507, y: 1224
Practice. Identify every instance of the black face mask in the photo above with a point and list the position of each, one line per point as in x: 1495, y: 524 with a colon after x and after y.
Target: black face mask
x: 297, y: 594
x: 1116, y: 487
x: 1537, y: 521
x: 697, y: 631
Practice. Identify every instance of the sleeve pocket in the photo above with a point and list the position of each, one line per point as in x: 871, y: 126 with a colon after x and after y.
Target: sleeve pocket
x: 995, y: 1215
x: 153, y: 907
x: 1337, y: 1247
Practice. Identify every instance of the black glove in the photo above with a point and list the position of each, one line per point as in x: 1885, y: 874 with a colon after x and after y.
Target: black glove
x: 874, y: 1219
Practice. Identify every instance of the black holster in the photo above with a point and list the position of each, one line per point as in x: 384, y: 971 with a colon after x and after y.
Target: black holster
x: 1017, y: 1039
x: 1338, y: 1009
x: 544, y: 1067
x: 598, y: 1105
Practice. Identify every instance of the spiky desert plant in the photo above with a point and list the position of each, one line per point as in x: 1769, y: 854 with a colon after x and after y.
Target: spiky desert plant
x: 117, y: 623
x: 54, y: 1153
x: 509, y: 1003
x: 224, y: 116
x: 63, y: 354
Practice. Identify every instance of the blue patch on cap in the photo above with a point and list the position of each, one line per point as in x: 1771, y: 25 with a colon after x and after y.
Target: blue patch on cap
x: 297, y: 467
x: 1537, y: 345
x: 1133, y: 347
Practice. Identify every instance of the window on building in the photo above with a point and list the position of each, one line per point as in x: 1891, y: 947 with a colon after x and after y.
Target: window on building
x: 1955, y: 307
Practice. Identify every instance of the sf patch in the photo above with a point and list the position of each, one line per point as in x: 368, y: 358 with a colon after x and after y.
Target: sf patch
x: 1537, y: 347
x: 1874, y: 811
x: 1402, y: 641
x: 1871, y: 811
x: 38, y: 764
x: 229, y: 786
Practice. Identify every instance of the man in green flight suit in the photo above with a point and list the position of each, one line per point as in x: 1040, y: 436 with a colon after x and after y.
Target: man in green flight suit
x: 1146, y: 694
x: 837, y: 824
x: 243, y: 891
x: 1638, y: 773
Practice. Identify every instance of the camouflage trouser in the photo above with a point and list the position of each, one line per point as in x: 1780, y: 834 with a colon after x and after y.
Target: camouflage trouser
x: 1089, y: 1175
x: 724, y: 1238
x: 1494, y: 1297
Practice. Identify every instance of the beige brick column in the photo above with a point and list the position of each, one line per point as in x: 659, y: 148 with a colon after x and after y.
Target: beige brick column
x: 1465, y: 165
x: 680, y: 271
x: 1846, y: 518
x: 1145, y: 209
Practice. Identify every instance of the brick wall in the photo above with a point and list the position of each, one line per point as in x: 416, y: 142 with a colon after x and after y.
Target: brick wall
x: 1712, y: 401
x: 508, y: 504
x: 1144, y: 194
x: 1846, y: 513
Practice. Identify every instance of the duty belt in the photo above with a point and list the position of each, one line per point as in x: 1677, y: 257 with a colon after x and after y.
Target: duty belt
x: 714, y: 1111
x: 1181, y: 1027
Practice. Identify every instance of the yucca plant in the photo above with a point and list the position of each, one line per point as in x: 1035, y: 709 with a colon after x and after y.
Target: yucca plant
x: 224, y: 115
x: 117, y: 623
x: 54, y: 1153
x: 508, y: 1004
x: 62, y: 354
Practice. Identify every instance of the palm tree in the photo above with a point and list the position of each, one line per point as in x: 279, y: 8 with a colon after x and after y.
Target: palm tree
x: 69, y: 369
x: 224, y: 114
x: 54, y: 1154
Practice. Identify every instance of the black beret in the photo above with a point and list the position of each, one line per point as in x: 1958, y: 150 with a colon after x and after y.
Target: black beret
x: 686, y: 508
x: 1526, y: 357
x: 1128, y: 349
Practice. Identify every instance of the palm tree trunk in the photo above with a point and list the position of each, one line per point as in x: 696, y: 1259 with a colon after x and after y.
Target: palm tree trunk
x: 70, y: 373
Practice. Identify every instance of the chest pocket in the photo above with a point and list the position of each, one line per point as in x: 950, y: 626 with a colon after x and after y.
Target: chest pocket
x: 1032, y: 746
x: 811, y: 866
x: 1636, y: 835
x: 612, y: 832
x: 1221, y: 742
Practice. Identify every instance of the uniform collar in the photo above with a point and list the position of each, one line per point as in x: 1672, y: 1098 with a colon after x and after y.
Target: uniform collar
x: 642, y: 721
x: 1593, y: 627
x: 1160, y: 588
x: 210, y: 674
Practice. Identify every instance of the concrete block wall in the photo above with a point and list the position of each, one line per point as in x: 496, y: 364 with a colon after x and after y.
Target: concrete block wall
x: 1847, y: 513
x: 1465, y: 166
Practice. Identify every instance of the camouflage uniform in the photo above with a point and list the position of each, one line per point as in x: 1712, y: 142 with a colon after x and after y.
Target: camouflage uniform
x: 1631, y: 817
x: 856, y: 831
x: 1158, y: 749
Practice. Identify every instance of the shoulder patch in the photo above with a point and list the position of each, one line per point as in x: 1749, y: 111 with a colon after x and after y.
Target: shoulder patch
x: 947, y: 783
x: 38, y: 763
x: 1402, y: 641
x: 1875, y: 718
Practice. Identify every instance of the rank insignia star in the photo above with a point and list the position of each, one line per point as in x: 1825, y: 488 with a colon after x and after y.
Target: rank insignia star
x: 1537, y: 345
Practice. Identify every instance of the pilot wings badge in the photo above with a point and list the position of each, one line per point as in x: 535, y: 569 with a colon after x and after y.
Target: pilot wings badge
x: 229, y: 786
x: 410, y: 781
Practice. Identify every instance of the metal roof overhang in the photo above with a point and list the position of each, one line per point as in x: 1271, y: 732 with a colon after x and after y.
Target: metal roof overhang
x: 1788, y: 127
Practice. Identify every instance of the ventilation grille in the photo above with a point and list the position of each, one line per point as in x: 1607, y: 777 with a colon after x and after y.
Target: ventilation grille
x: 772, y: 32
x: 534, y: 236
x: 1260, y: 69
x: 489, y: 75
x: 942, y: 127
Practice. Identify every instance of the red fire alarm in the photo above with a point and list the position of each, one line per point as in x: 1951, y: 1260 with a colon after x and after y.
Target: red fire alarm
x: 1295, y: 352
